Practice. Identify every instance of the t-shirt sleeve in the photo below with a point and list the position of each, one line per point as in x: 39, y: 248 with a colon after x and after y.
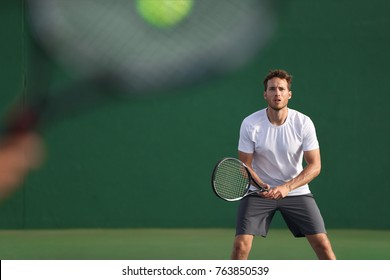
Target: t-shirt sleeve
x: 310, y: 141
x: 245, y: 142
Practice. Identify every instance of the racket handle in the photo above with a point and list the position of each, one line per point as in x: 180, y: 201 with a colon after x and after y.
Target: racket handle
x: 22, y: 118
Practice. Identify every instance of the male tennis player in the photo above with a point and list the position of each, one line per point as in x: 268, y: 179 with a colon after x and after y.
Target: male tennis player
x: 273, y: 143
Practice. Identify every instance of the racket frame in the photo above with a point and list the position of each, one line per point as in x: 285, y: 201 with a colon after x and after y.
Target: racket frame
x: 251, y: 181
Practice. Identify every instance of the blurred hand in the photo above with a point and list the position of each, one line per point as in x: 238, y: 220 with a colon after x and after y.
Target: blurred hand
x: 19, y: 154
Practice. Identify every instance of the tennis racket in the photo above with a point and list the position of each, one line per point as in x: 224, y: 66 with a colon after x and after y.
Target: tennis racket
x: 232, y: 180
x: 107, y: 48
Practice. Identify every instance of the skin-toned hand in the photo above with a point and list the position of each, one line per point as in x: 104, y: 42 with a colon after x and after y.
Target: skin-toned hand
x: 278, y: 192
x: 19, y: 154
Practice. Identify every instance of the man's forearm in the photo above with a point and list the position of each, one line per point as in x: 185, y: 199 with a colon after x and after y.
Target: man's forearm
x: 310, y: 172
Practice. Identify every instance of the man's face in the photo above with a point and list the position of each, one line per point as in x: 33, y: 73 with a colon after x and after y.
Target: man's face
x: 277, y: 93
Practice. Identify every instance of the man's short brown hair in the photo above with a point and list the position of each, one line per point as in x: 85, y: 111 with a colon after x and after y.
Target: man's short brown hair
x: 278, y: 73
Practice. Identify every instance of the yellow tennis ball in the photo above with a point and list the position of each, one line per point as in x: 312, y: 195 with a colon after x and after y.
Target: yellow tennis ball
x: 164, y: 13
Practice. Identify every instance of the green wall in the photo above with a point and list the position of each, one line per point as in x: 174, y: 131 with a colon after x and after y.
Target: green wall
x: 147, y: 162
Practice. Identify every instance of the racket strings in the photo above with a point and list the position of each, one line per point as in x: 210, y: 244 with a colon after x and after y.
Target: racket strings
x: 90, y: 36
x: 231, y: 180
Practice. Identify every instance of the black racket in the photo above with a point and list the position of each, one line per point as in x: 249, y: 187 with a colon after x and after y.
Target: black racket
x: 109, y: 49
x: 232, y: 180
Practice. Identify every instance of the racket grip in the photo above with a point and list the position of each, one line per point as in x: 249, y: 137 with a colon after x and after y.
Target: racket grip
x: 22, y: 118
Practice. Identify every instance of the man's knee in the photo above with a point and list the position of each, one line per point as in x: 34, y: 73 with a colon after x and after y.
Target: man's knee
x: 242, y: 246
x: 322, y: 246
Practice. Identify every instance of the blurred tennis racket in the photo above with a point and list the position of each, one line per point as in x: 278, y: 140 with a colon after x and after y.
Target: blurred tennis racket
x: 232, y: 180
x: 107, y: 48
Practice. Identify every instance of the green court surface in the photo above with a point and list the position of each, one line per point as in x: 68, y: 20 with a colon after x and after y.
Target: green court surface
x: 180, y: 244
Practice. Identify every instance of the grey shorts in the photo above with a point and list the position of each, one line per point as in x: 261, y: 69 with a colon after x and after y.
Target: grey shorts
x: 300, y: 213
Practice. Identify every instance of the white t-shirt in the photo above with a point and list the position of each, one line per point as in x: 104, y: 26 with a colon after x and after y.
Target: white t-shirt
x: 278, y: 150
